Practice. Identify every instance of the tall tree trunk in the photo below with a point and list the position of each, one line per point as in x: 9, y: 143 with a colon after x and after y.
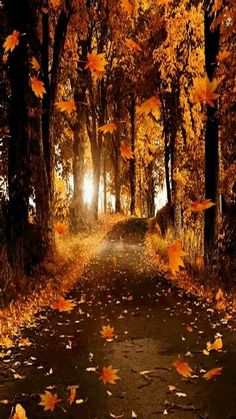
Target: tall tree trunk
x: 132, y: 171
x: 211, y: 140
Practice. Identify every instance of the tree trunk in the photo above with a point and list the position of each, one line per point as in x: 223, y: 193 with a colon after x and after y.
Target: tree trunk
x: 132, y: 163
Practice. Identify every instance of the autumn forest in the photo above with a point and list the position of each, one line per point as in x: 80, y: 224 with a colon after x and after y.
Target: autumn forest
x: 117, y: 209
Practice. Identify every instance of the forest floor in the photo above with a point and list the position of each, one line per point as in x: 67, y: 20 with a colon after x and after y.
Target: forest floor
x: 154, y: 323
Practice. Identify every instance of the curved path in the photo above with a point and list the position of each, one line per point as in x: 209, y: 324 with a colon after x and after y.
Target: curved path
x: 154, y: 323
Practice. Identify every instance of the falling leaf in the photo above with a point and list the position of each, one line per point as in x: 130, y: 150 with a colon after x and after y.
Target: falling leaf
x: 204, y: 90
x: 37, y: 86
x: 127, y: 6
x: 66, y: 106
x: 175, y: 254
x: 11, y: 41
x: 20, y: 412
x: 134, y: 415
x: 126, y: 152
x: 133, y: 45
x: 219, y: 294
x: 24, y: 342
x: 109, y: 375
x: 183, y: 368
x: 64, y: 305
x: 149, y: 106
x: 96, y: 62
x: 212, y: 373
x: 55, y: 3
x: 201, y: 205
x: 171, y: 388
x: 35, y: 64
x: 215, y: 346
x: 107, y: 332
x: 223, y: 55
x: 111, y: 127
x: 49, y: 401
x: 72, y: 395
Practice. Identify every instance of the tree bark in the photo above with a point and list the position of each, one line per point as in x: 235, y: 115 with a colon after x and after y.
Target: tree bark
x: 132, y: 163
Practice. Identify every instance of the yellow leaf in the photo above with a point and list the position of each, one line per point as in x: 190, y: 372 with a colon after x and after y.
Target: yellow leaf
x: 109, y: 375
x: 49, y: 401
x: 107, y: 332
x: 175, y: 254
x: 215, y: 346
x: 127, y: 6
x: 64, y: 305
x: 219, y: 294
x: 111, y: 127
x: 149, y: 105
x: 72, y: 395
x: 204, y: 90
x: 183, y: 368
x: 132, y: 45
x: 35, y: 64
x: 212, y: 373
x: 37, y: 86
x: 11, y: 41
x: 6, y: 342
x: 20, y: 412
x: 66, y: 106
x: 96, y: 62
x: 201, y: 205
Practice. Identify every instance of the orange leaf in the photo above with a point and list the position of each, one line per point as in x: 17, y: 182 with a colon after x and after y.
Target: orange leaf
x: 219, y: 294
x: 175, y: 254
x: 183, y: 368
x: 212, y: 373
x: 204, y: 90
x: 215, y: 346
x: 66, y: 106
x: 6, y: 342
x: 64, y: 305
x: 107, y: 332
x: 24, y: 342
x: 49, y: 401
x: 55, y: 3
x: 200, y: 205
x: 20, y: 412
x: 11, y: 41
x: 223, y: 55
x: 109, y: 375
x: 149, y: 105
x: 72, y: 395
x: 96, y: 62
x: 60, y: 228
x: 127, y: 6
x: 132, y: 45
x: 108, y: 128
x: 37, y: 86
x: 126, y: 152
x: 35, y: 64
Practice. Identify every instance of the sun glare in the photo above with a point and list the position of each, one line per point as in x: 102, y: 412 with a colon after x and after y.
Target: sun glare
x: 88, y: 189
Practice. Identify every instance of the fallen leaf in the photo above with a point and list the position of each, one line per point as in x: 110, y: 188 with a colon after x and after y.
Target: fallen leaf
x: 20, y: 412
x: 171, y: 388
x: 183, y: 368
x: 6, y: 342
x: 109, y: 375
x: 11, y: 41
x: 49, y: 401
x: 37, y: 86
x: 64, y: 305
x: 175, y: 254
x: 215, y: 346
x: 219, y: 294
x: 107, y: 332
x: 212, y: 373
x: 72, y: 395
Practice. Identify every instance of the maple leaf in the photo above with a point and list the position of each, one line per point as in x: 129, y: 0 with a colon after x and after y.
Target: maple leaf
x: 96, y: 62
x: 35, y: 64
x: 183, y: 368
x: 107, y: 332
x: 49, y: 401
x: 127, y: 6
x: 198, y: 206
x: 72, y: 395
x: 175, y: 254
x: 66, y: 106
x: 109, y: 375
x: 20, y: 412
x: 107, y: 128
x: 212, y: 373
x: 215, y: 346
x: 64, y: 305
x: 149, y: 105
x: 126, y: 152
x: 55, y: 3
x: 37, y: 86
x: 204, y: 90
x: 11, y: 41
x: 132, y: 45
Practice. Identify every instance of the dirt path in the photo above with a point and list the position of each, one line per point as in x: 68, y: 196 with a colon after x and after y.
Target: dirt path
x: 150, y: 318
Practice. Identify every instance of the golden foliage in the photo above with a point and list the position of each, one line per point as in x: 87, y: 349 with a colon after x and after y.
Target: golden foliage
x: 64, y: 305
x: 96, y: 62
x: 204, y: 90
x: 149, y: 105
x: 49, y: 401
x: 107, y: 332
x: 109, y: 375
